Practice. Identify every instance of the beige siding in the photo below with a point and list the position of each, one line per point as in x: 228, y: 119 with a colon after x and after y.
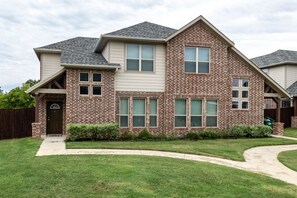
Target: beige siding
x: 278, y: 74
x: 291, y: 75
x: 50, y: 64
x: 138, y: 81
x: 105, y: 52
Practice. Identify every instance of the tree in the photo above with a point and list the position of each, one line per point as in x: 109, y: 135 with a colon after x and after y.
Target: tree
x: 17, y: 97
x: 1, y: 91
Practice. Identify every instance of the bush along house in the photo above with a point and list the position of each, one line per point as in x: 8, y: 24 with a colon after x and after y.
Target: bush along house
x: 150, y: 76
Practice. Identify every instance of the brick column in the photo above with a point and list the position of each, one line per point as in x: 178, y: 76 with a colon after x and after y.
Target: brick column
x: 278, y: 128
x: 36, y: 129
x: 294, y: 121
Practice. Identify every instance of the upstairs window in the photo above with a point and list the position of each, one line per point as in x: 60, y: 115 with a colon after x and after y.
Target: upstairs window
x: 97, y: 77
x: 140, y: 57
x: 196, y: 60
x: 240, y: 94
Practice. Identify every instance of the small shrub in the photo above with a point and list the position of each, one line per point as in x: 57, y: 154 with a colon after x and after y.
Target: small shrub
x: 225, y: 134
x: 193, y: 135
x: 127, y: 135
x: 144, y: 135
x: 78, y: 132
x: 261, y: 131
x: 253, y: 131
x: 209, y: 135
x: 237, y: 131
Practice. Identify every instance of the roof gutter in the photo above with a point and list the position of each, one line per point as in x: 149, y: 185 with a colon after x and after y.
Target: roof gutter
x: 278, y: 64
x: 87, y: 66
x: 105, y: 38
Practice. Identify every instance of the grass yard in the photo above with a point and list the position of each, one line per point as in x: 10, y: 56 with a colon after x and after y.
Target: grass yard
x: 289, y: 158
x: 24, y: 175
x: 291, y: 132
x: 230, y: 149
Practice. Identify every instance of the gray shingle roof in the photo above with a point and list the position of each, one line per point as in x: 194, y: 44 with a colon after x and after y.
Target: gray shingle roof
x: 79, y: 50
x: 145, y: 30
x: 277, y: 57
x: 293, y: 89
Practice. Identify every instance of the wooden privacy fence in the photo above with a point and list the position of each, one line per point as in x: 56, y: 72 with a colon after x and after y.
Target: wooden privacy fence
x: 286, y: 114
x: 16, y: 123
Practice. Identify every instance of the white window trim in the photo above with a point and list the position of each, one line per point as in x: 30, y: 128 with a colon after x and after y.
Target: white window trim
x: 154, y: 114
x: 139, y: 114
x: 195, y: 127
x: 120, y: 114
x: 186, y: 115
x: 197, y: 60
x: 240, y: 99
x: 140, y: 58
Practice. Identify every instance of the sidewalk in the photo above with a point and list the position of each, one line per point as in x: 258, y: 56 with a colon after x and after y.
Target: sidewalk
x: 259, y: 159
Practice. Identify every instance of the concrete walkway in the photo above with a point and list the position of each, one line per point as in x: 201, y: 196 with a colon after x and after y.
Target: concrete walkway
x: 259, y: 159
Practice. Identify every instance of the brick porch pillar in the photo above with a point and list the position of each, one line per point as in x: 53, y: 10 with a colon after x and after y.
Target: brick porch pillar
x: 294, y: 121
x: 36, y: 130
x: 278, y: 128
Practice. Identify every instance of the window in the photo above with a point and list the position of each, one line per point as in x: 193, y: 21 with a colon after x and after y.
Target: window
x: 196, y: 113
x: 153, y: 112
x: 84, y: 90
x: 140, y: 57
x: 211, y: 113
x: 96, y: 91
x: 196, y: 60
x: 84, y: 77
x: 96, y: 77
x: 180, y: 113
x: 124, y: 112
x: 85, y: 82
x: 240, y: 94
x: 138, y: 112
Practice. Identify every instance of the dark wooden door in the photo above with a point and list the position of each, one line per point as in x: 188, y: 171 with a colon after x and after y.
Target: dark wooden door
x: 54, y: 118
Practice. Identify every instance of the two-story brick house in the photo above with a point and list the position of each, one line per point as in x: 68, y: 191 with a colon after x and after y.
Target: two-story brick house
x: 150, y: 76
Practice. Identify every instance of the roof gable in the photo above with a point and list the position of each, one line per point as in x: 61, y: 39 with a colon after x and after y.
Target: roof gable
x: 212, y: 27
x: 278, y: 57
x: 293, y: 89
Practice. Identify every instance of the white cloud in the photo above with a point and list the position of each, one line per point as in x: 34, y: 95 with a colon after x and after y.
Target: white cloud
x: 257, y: 27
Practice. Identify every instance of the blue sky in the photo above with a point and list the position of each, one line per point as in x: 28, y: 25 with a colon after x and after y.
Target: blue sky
x: 257, y: 27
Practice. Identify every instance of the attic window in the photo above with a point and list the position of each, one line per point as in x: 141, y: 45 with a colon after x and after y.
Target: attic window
x: 140, y: 57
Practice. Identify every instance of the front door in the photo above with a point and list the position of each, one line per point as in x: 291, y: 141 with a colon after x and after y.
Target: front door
x: 54, y: 118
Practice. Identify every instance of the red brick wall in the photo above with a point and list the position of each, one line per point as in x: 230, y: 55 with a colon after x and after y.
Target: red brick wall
x: 224, y: 65
x: 90, y: 109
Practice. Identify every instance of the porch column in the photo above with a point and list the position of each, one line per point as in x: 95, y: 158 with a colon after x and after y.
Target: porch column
x: 36, y: 108
x: 278, y: 127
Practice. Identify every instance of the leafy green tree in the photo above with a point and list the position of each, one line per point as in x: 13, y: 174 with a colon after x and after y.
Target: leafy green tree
x: 18, y: 98
x: 1, y: 91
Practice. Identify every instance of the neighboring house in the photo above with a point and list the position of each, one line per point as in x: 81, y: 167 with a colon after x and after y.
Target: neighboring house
x: 281, y: 66
x: 150, y: 76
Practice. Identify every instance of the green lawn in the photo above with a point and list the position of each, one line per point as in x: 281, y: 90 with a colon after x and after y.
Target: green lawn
x: 291, y: 132
x: 24, y: 175
x: 289, y: 158
x: 229, y: 149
